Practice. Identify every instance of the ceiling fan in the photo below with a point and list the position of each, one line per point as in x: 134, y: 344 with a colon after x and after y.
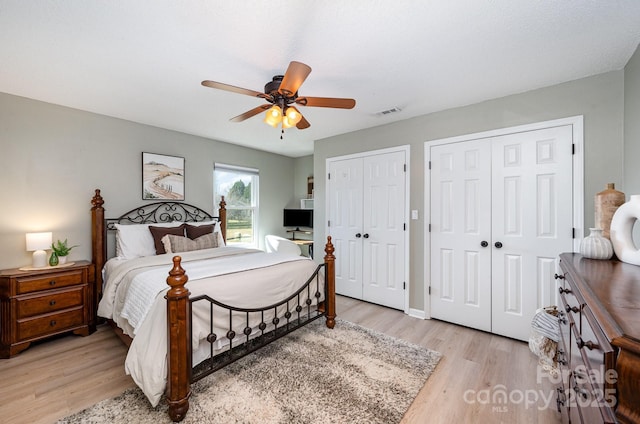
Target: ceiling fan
x: 281, y: 93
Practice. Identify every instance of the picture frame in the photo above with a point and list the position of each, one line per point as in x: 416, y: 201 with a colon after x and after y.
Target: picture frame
x: 162, y: 177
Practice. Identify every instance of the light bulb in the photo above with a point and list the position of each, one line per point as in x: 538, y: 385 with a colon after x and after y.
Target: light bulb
x: 273, y: 116
x: 293, y: 115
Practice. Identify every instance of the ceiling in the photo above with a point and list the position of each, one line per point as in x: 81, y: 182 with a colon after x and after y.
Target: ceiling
x: 143, y: 60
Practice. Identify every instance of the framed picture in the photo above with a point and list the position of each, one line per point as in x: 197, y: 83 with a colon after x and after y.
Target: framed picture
x: 162, y: 177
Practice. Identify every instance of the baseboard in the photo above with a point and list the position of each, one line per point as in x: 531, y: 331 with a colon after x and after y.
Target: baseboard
x: 417, y: 313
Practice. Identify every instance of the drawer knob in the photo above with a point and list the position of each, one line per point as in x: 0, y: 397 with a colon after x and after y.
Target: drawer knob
x: 53, y: 323
x: 53, y: 302
x: 52, y: 282
x: 562, y: 290
x: 588, y: 344
x: 573, y: 309
x: 558, y: 277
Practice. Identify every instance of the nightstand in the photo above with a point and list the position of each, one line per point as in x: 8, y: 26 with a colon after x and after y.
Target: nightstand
x: 39, y: 304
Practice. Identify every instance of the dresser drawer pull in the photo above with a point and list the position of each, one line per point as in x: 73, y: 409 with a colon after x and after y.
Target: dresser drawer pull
x: 558, y: 277
x: 53, y: 302
x: 588, y: 344
x: 53, y: 323
x: 52, y: 282
x: 562, y: 290
x: 573, y: 309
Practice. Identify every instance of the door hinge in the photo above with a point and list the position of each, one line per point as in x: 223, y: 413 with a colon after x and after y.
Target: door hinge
x: 573, y: 149
x: 429, y: 164
x: 329, y: 223
x: 573, y: 233
x: 329, y: 176
x: 429, y: 227
x: 405, y: 167
x: 404, y: 226
x: 404, y: 285
x: 429, y: 289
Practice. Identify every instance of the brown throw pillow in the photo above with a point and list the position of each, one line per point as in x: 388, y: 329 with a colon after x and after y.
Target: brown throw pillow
x: 195, y: 231
x: 177, y: 244
x: 159, y: 232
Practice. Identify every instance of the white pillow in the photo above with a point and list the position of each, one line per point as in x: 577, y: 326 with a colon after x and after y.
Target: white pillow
x: 135, y: 240
x: 217, y: 229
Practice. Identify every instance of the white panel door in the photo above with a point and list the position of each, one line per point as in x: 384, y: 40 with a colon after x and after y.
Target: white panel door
x: 532, y: 223
x: 383, y: 236
x: 461, y: 233
x: 344, y: 195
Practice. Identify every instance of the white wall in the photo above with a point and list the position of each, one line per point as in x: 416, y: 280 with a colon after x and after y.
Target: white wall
x: 599, y: 98
x: 54, y: 157
x: 632, y: 125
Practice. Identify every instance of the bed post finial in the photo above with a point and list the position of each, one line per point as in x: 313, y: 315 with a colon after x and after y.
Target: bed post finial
x: 179, y: 349
x: 330, y: 273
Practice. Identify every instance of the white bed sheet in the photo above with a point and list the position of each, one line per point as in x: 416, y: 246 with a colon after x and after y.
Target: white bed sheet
x: 237, y: 277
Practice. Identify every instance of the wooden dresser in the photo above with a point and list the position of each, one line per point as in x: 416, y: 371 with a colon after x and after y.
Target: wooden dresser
x: 599, y: 351
x: 39, y: 304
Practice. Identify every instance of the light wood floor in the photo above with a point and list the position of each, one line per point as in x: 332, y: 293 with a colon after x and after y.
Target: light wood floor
x: 53, y: 379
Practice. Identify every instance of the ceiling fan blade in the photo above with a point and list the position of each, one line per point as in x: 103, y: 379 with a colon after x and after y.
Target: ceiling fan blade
x: 303, y: 123
x: 248, y: 114
x: 233, y: 89
x: 326, y: 102
x: 296, y: 73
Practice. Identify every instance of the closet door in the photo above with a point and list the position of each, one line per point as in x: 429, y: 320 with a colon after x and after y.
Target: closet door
x: 383, y: 229
x: 366, y: 209
x: 461, y: 233
x: 532, y: 223
x: 344, y: 195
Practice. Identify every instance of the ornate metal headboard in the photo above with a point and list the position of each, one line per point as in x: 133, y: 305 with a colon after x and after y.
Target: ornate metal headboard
x: 161, y: 212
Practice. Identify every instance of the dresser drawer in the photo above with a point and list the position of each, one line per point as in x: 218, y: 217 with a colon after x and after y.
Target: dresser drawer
x: 28, y: 306
x: 49, y: 324
x: 50, y: 281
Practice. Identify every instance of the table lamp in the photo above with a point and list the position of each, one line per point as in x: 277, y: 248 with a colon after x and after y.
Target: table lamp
x: 38, y: 243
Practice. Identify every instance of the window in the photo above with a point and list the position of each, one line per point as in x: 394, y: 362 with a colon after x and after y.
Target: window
x: 239, y: 186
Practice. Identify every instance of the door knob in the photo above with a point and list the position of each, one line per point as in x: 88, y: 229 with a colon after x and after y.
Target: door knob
x: 484, y: 243
x: 365, y: 235
x: 358, y: 235
x: 498, y: 245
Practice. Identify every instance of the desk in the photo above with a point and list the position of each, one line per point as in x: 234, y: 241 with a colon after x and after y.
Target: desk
x: 308, y: 243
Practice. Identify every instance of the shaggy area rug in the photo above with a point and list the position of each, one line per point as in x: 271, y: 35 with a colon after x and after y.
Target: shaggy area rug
x: 313, y: 375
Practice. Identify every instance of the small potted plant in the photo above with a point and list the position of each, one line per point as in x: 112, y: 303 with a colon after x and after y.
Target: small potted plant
x: 60, y: 251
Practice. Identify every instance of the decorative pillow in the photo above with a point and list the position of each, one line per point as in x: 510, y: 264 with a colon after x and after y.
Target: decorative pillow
x: 159, y: 232
x: 195, y: 231
x: 217, y: 229
x: 135, y: 240
x: 177, y: 244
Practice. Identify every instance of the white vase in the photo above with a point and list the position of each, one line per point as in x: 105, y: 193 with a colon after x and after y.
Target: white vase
x: 596, y: 246
x: 622, y: 231
x: 62, y: 260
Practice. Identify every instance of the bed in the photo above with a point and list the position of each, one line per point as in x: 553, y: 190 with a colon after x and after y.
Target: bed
x: 180, y: 325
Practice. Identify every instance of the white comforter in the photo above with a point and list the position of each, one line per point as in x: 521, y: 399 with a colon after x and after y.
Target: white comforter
x: 134, y: 292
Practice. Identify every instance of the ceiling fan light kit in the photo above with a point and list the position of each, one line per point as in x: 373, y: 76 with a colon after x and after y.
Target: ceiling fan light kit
x: 281, y: 92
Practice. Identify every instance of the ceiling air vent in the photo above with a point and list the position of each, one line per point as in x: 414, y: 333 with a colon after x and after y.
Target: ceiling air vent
x: 389, y: 111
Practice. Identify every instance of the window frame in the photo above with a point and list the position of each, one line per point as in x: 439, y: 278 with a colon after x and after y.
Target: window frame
x: 255, y: 199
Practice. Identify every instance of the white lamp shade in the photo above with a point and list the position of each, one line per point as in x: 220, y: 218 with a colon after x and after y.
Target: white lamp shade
x: 38, y: 241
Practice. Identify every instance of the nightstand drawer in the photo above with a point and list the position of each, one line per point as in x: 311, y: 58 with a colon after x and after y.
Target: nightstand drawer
x: 50, y: 324
x: 37, y: 305
x: 51, y: 281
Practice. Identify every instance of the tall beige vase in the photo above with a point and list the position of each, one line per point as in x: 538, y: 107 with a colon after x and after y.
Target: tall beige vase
x: 606, y: 204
